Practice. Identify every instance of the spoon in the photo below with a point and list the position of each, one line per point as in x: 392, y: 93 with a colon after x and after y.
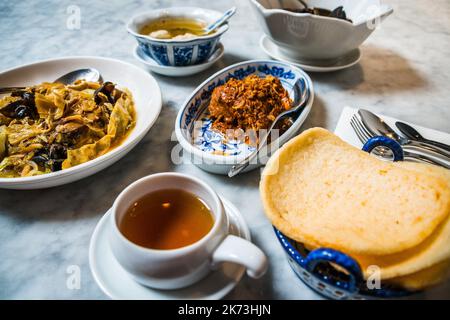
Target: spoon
x: 413, y: 134
x: 224, y: 18
x: 89, y: 74
x: 301, y: 102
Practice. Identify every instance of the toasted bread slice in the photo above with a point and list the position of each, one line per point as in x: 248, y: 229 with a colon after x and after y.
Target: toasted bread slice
x: 433, y: 250
x: 425, y: 278
x: 321, y: 191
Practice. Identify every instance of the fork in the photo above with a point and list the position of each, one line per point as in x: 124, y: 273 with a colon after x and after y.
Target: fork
x: 363, y: 135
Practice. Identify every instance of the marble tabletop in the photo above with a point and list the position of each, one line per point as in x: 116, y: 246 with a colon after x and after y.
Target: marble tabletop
x: 404, y: 73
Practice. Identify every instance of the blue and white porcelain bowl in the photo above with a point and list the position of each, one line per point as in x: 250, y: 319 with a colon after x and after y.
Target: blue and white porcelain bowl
x: 206, y: 147
x: 177, y: 52
x: 314, y: 268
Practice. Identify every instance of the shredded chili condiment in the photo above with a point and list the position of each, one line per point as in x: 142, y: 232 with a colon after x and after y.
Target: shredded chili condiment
x: 249, y: 104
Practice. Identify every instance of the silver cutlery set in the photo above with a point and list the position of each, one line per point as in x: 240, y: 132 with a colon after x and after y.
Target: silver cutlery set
x: 415, y: 147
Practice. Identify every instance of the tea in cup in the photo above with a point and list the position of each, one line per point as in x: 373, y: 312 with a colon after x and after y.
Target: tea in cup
x: 169, y: 230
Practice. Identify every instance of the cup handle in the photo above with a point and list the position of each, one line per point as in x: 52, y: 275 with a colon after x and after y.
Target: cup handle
x: 243, y: 252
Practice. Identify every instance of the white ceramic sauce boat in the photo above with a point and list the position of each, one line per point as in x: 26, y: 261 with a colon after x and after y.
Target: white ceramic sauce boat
x: 308, y: 37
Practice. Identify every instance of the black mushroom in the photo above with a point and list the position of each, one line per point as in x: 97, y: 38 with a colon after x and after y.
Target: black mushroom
x: 40, y: 157
x: 57, y: 151
x: 24, y: 107
x: 70, y: 132
x: 57, y: 154
x: 51, y: 157
x: 105, y: 93
x: 339, y: 13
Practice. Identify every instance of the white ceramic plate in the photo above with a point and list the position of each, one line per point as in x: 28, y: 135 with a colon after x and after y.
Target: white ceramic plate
x: 271, y: 49
x: 117, y: 284
x: 172, y: 71
x: 146, y: 95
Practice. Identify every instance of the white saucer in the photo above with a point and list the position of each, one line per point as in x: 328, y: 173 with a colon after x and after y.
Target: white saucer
x: 117, y: 284
x: 271, y: 49
x: 171, y: 71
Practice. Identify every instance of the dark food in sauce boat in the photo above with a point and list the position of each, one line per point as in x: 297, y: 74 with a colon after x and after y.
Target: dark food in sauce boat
x: 338, y: 13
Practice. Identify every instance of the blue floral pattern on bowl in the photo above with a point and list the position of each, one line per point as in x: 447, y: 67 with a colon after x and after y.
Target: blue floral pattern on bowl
x: 209, y: 140
x: 183, y: 55
x: 158, y: 53
x: 202, y: 135
x: 179, y: 53
x: 205, y: 51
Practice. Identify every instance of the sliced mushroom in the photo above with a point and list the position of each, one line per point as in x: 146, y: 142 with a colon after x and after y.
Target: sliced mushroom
x: 51, y: 157
x: 56, y: 165
x: 105, y: 91
x: 16, y: 110
x: 40, y: 158
x: 24, y: 107
x: 57, y: 152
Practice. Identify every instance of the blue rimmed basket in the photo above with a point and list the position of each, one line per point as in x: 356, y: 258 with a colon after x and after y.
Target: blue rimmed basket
x: 314, y: 267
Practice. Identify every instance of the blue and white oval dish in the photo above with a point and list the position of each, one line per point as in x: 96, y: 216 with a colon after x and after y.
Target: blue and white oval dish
x: 208, y: 149
x: 177, y: 52
x: 314, y: 268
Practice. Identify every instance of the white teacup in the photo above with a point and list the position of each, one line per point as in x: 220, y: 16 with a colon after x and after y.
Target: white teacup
x: 177, y: 268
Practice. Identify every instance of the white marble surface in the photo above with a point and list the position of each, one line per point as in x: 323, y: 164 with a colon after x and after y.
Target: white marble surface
x: 404, y: 73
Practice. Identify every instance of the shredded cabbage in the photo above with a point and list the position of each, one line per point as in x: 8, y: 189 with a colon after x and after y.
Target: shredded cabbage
x: 51, y: 126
